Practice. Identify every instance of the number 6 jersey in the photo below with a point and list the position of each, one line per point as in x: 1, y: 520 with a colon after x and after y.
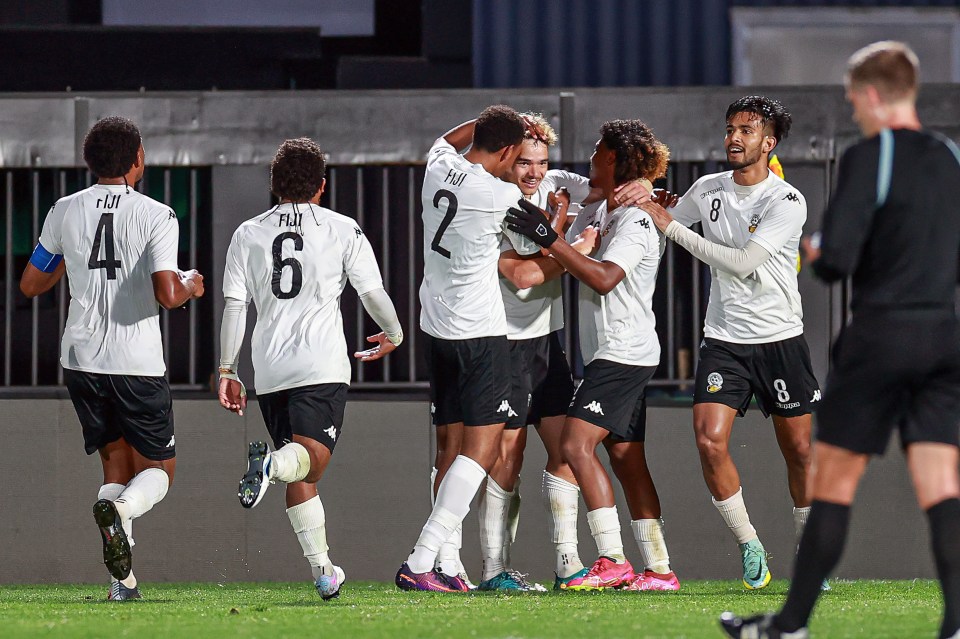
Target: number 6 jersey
x: 113, y: 239
x: 463, y: 211
x: 294, y: 261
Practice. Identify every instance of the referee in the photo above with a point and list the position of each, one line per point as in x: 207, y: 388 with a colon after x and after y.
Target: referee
x: 894, y: 227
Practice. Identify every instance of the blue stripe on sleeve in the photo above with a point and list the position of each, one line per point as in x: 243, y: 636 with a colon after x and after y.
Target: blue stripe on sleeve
x: 44, y: 260
x: 885, y: 170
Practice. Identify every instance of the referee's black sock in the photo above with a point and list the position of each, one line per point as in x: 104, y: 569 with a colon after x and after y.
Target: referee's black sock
x: 945, y: 538
x: 820, y: 549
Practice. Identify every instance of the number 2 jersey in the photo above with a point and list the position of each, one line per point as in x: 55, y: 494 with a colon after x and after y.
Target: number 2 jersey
x: 765, y: 305
x: 463, y: 211
x: 113, y: 239
x: 294, y: 261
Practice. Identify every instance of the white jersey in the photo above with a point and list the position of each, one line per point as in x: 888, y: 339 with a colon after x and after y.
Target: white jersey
x: 537, y: 311
x: 764, y: 306
x: 620, y: 326
x: 463, y: 211
x: 113, y: 239
x: 294, y: 262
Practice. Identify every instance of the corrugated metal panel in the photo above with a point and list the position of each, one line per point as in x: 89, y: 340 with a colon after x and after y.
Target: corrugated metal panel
x: 586, y: 43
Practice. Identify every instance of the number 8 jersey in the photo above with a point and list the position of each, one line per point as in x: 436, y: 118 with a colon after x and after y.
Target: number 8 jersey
x: 113, y: 239
x: 463, y: 211
x: 294, y: 261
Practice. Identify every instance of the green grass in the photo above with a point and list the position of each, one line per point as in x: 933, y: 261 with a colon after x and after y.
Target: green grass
x: 275, y: 610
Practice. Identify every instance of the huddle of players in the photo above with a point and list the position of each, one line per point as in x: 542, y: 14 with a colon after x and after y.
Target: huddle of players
x: 754, y: 345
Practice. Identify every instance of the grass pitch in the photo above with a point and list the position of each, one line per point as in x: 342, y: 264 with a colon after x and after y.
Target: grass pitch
x: 274, y: 610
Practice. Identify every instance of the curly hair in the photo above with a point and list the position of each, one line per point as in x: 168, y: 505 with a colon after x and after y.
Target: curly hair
x: 540, y: 130
x: 770, y: 112
x: 296, y: 173
x: 111, y: 147
x: 639, y: 154
x: 498, y: 126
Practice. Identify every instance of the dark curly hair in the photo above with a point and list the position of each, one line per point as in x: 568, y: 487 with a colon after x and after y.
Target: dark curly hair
x: 111, y: 147
x: 498, y: 126
x: 770, y: 112
x: 296, y: 173
x: 639, y: 154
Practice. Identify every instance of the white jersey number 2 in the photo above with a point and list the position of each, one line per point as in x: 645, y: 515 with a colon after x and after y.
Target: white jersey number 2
x: 451, y: 199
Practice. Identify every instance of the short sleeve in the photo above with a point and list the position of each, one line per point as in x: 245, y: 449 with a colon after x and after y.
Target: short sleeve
x: 576, y: 184
x: 234, y: 273
x: 439, y: 149
x: 50, y: 235
x: 360, y: 264
x: 782, y: 222
x: 506, y: 196
x: 635, y: 236
x: 164, y: 241
x: 583, y: 219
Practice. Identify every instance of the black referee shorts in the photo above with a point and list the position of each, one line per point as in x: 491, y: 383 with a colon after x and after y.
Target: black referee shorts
x: 881, y: 381
x: 778, y: 373
x: 137, y: 408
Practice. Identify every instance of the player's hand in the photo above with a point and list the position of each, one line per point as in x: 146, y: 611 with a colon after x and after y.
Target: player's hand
x: 810, y: 245
x: 633, y: 193
x: 666, y: 199
x: 586, y: 243
x: 659, y: 215
x: 535, y: 131
x: 193, y: 276
x: 383, y: 347
x: 531, y: 222
x: 232, y: 395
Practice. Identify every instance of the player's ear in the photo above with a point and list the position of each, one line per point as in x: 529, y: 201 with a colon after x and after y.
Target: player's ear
x: 770, y: 143
x: 323, y: 185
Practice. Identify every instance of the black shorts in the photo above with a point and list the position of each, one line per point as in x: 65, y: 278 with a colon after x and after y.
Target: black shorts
x: 137, y: 408
x: 309, y: 411
x: 541, y: 382
x: 778, y: 373
x: 469, y: 380
x: 883, y: 380
x: 613, y: 396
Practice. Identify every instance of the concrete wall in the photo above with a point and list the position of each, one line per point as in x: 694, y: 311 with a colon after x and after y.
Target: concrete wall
x: 376, y: 498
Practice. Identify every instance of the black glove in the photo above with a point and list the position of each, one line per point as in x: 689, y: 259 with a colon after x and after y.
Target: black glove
x: 530, y: 222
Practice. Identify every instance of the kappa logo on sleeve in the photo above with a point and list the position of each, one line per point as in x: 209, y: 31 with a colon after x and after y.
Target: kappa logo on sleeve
x: 644, y: 222
x: 172, y: 216
x: 793, y: 197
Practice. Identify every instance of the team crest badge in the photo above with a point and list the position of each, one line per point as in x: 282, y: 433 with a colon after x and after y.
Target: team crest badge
x: 714, y: 382
x: 754, y: 220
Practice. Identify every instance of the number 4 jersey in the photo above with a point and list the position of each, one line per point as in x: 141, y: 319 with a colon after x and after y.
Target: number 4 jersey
x: 294, y: 261
x: 113, y: 239
x: 463, y: 211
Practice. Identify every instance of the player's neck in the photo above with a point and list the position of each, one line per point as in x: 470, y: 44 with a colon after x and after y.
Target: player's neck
x: 314, y: 200
x: 899, y: 117
x: 753, y: 174
x: 489, y: 161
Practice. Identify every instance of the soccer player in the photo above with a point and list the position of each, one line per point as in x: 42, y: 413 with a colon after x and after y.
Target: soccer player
x: 464, y: 204
x: 621, y: 350
x: 119, y: 249
x: 753, y: 333
x: 294, y: 261
x: 892, y: 225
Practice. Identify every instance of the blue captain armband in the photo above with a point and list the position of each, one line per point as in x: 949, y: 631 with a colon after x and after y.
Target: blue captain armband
x: 44, y: 259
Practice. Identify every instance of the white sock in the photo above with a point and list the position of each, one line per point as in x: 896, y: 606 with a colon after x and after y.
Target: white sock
x: 143, y: 492
x: 111, y: 492
x: 734, y: 512
x: 309, y: 523
x: 605, y: 528
x: 493, y: 510
x: 289, y: 464
x: 457, y: 489
x: 448, y: 557
x: 653, y: 547
x: 800, y: 521
x: 513, y: 522
x: 562, y: 500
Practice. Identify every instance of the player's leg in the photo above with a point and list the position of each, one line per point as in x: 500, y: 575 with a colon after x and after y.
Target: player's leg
x: 933, y: 467
x: 494, y: 509
x: 449, y: 440
x: 116, y: 458
x: 561, y: 497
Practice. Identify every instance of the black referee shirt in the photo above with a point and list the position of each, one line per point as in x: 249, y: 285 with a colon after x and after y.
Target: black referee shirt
x: 894, y: 222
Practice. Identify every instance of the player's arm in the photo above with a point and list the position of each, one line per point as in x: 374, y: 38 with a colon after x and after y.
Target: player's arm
x: 849, y: 216
x: 172, y: 288
x: 460, y: 136
x: 42, y: 272
x: 360, y: 265
x: 528, y: 221
x: 525, y: 272
x: 739, y: 262
x: 231, y: 391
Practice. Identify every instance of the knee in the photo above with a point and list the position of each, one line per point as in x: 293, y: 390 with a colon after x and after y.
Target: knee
x: 574, y: 453
x: 712, y: 447
x: 799, y: 453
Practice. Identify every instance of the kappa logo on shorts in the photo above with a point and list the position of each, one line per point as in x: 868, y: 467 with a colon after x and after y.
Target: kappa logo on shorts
x: 505, y: 406
x: 331, y: 432
x: 172, y: 442
x: 816, y: 396
x: 595, y: 407
x: 714, y: 382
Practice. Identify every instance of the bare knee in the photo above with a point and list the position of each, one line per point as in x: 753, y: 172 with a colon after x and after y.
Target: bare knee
x: 712, y: 445
x: 575, y: 453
